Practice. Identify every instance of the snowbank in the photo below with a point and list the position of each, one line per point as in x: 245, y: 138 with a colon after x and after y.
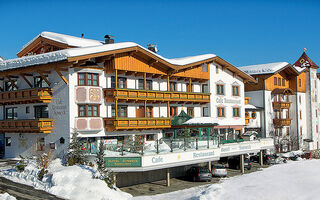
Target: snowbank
x: 7, y: 196
x: 297, y: 180
x: 72, y: 182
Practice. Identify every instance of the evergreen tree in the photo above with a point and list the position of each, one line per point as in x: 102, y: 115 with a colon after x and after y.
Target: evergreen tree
x: 75, y: 154
x: 104, y: 173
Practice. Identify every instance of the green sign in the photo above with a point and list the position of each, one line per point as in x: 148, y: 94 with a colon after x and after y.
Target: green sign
x: 123, y: 161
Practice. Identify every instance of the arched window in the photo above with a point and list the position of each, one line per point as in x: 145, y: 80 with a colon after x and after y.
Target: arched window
x: 253, y: 115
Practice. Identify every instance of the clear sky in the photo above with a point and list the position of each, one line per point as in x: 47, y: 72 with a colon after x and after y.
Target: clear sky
x: 241, y: 32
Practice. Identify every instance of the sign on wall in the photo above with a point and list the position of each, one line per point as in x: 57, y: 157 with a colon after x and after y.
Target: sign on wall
x: 123, y: 161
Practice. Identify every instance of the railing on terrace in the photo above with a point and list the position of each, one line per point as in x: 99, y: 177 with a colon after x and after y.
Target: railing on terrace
x: 112, y: 124
x: 41, y: 125
x: 166, y: 145
x: 282, y: 122
x: 34, y: 95
x: 281, y: 105
x: 153, y: 95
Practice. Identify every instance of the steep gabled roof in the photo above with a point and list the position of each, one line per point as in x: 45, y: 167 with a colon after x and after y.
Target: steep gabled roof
x: 304, y: 61
x: 60, y: 39
x: 268, y: 68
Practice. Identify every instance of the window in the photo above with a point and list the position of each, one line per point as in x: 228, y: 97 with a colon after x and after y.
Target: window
x: 275, y: 80
x: 149, y: 111
x: 40, y: 144
x: 205, y: 67
x: 8, y: 141
x: 317, y: 128
x: 122, y: 111
x: 279, y: 81
x: 283, y: 82
x: 253, y: 115
x: 190, y: 111
x: 173, y: 86
x: 235, y: 90
x: 236, y: 112
x: 9, y: 87
x: 300, y: 130
x: 300, y: 113
x: 173, y: 111
x: 217, y: 70
x: 88, y: 110
x: 88, y: 79
x: 141, y: 84
x: 205, y: 112
x: 205, y: 88
x: 299, y: 82
x: 41, y: 112
x: 316, y: 113
x: 11, y: 113
x: 220, y: 89
x: 247, y: 115
x: 149, y: 84
x: 39, y: 82
x: 300, y: 99
x: 220, y: 112
x: 315, y: 83
x: 150, y: 137
x: 188, y: 87
x: 27, y: 109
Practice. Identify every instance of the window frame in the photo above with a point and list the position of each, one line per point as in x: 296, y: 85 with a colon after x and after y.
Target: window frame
x: 221, y: 112
x: 14, y: 113
x: 42, y: 113
x: 220, y: 89
x: 203, y: 111
x: 190, y: 111
x: 41, y: 83
x: 275, y: 81
x: 173, y: 111
x: 88, y: 107
x: 237, y: 93
x: 236, y: 112
x: 205, y: 67
x: 86, y: 79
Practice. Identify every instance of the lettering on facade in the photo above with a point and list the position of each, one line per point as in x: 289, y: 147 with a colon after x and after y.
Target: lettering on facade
x: 225, y: 100
x: 203, y: 154
x: 123, y: 162
x: 244, y: 147
x: 158, y: 159
x: 58, y: 108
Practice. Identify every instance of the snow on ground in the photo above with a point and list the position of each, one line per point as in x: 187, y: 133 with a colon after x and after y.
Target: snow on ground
x: 72, y: 182
x: 299, y: 180
x: 7, y: 196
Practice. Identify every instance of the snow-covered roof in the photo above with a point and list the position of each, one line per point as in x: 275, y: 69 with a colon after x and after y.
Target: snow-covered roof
x: 201, y: 121
x: 65, y: 39
x: 268, y: 68
x: 249, y: 106
x: 62, y: 55
x: 1, y: 59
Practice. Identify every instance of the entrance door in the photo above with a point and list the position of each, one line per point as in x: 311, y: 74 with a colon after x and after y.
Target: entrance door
x: 2, y: 143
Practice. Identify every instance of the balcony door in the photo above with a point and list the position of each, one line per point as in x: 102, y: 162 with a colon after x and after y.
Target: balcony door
x: 41, y: 112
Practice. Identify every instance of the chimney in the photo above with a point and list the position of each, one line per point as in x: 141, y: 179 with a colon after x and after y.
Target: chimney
x: 109, y: 39
x: 152, y: 47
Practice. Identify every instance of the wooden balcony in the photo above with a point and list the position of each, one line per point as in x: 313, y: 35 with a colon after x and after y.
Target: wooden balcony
x: 34, y: 95
x: 42, y: 125
x: 152, y: 95
x: 281, y: 105
x: 112, y: 124
x: 282, y: 122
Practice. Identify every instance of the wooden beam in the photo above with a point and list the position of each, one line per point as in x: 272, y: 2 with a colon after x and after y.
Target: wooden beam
x: 44, y: 78
x: 121, y: 71
x: 129, y: 73
x: 61, y: 76
x: 62, y: 69
x: 156, y: 75
x: 27, y: 74
x: 149, y: 75
x: 11, y: 76
x: 26, y: 80
x: 12, y: 82
x: 138, y: 74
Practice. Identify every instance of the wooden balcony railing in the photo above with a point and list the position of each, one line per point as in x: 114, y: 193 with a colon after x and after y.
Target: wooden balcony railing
x: 152, y: 95
x: 42, y: 125
x: 34, y: 95
x: 112, y: 124
x: 281, y: 105
x: 282, y: 122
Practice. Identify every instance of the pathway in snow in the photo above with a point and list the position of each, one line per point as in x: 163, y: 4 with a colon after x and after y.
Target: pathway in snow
x: 299, y: 180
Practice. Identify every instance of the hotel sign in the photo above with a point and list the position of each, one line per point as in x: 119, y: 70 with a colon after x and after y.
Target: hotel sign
x: 123, y: 161
x: 225, y: 100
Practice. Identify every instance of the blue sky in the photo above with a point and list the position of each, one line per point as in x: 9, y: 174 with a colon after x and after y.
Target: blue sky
x: 241, y: 32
